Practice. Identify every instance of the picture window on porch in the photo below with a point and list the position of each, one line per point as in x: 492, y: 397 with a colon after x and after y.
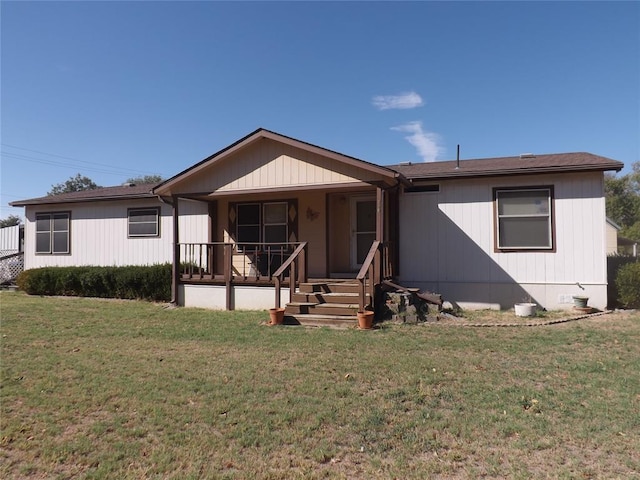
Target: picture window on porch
x: 262, y: 222
x: 524, y: 219
x: 53, y: 233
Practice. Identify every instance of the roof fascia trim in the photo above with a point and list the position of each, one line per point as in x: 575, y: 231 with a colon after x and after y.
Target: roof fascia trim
x: 501, y: 173
x: 263, y: 133
x: 31, y: 202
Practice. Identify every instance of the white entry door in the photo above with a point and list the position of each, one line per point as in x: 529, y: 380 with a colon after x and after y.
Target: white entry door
x: 363, y: 228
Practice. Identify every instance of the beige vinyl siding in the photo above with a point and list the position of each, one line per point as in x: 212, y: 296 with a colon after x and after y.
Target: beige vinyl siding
x: 267, y: 164
x: 447, y: 238
x: 193, y: 221
x: 99, y: 234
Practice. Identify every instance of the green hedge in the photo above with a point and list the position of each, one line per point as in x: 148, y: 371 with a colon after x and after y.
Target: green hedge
x: 628, y: 285
x: 132, y: 282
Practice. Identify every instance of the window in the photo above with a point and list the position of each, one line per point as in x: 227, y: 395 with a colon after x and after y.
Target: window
x: 262, y: 222
x: 52, y: 233
x: 271, y: 223
x: 144, y: 222
x: 274, y: 229
x: 524, y: 218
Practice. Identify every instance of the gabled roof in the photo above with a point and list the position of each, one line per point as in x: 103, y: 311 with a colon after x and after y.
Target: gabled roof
x: 523, y: 164
x: 121, y: 192
x: 261, y: 133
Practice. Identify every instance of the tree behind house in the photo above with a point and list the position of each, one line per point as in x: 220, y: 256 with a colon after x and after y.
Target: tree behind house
x: 74, y: 184
x: 145, y: 179
x: 10, y: 221
x: 623, y: 201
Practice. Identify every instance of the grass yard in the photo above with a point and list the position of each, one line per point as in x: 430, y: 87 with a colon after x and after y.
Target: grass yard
x: 130, y: 390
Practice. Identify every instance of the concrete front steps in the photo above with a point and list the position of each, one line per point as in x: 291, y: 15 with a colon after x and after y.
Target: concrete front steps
x: 324, y: 304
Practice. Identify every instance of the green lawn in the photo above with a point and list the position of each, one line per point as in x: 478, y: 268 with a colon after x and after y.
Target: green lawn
x: 121, y: 389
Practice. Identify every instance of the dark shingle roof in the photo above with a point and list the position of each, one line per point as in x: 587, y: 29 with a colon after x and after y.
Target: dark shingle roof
x: 551, y: 163
x: 121, y: 192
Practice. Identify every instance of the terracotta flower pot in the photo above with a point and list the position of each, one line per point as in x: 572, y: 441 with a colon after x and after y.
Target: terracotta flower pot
x: 365, y: 320
x: 276, y: 315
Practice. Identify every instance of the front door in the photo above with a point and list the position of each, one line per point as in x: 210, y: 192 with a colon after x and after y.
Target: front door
x: 363, y: 228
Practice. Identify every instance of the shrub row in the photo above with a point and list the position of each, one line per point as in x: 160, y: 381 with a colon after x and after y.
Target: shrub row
x: 628, y: 285
x: 130, y: 282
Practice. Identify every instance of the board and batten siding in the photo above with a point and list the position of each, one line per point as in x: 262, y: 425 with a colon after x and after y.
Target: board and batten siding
x: 99, y: 233
x: 267, y: 164
x: 447, y: 244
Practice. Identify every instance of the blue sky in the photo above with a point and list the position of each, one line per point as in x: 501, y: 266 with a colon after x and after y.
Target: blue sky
x: 113, y: 90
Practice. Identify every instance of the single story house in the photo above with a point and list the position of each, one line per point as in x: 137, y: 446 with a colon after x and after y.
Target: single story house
x: 270, y: 211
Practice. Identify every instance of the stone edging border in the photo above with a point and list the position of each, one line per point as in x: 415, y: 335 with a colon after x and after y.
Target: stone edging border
x: 530, y: 324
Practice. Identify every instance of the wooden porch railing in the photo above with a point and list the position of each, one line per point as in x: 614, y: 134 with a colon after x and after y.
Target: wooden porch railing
x: 377, y: 267
x: 224, y: 260
x: 296, y: 264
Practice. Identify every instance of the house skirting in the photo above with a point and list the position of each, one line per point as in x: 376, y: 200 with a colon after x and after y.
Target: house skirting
x: 242, y: 297
x: 503, y: 296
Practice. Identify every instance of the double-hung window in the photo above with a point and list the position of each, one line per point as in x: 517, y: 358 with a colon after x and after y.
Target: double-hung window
x: 261, y: 222
x: 263, y: 229
x: 53, y: 233
x: 524, y: 218
x: 143, y: 222
x: 274, y: 222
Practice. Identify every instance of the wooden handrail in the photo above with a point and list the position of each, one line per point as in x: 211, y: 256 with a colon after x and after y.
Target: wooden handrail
x: 299, y: 258
x: 368, y: 260
x: 290, y: 260
x: 368, y: 269
x: 376, y: 268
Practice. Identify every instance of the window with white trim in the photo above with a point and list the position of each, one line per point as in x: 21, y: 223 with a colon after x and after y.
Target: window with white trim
x: 524, y: 218
x: 53, y: 233
x: 143, y: 222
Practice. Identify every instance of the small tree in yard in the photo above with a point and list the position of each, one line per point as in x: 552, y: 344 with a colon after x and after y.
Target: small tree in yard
x: 628, y: 283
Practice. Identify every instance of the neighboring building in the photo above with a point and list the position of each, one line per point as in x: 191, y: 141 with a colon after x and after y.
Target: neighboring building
x: 484, y: 233
x: 617, y: 244
x: 612, y: 237
x: 11, y: 239
x: 627, y: 246
x: 11, y: 256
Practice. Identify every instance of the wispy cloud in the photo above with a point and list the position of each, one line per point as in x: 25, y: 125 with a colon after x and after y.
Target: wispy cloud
x: 403, y: 101
x: 426, y: 143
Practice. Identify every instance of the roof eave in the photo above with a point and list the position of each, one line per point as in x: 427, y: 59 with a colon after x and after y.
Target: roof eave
x: 537, y: 171
x: 54, y: 201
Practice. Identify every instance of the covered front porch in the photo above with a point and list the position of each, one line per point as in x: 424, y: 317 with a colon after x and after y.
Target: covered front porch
x: 258, y: 220
x: 332, y: 245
